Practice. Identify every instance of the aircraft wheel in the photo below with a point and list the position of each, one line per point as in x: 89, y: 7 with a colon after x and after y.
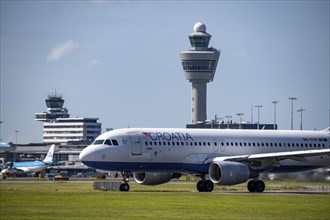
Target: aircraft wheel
x: 201, y: 186
x: 259, y: 186
x: 124, y: 187
x: 209, y: 186
x: 251, y: 186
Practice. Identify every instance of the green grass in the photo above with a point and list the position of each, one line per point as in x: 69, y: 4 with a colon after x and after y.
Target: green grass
x: 72, y: 200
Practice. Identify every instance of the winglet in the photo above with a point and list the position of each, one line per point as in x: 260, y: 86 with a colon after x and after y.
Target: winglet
x: 49, y: 157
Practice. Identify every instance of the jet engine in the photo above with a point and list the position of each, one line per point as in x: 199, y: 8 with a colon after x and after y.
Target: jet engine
x: 153, y: 178
x: 228, y: 173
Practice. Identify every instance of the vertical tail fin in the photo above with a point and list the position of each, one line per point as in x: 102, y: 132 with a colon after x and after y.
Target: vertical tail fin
x: 49, y: 157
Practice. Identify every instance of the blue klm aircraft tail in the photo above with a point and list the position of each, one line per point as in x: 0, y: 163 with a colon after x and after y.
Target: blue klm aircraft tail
x: 49, y: 157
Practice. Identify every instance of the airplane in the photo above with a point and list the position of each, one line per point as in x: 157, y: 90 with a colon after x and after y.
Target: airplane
x: 31, y: 166
x: 224, y: 157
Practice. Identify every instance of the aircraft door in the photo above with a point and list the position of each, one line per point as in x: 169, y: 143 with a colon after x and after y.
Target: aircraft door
x: 136, y: 144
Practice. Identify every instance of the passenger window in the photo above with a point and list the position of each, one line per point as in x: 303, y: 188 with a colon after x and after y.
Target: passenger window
x: 115, y: 142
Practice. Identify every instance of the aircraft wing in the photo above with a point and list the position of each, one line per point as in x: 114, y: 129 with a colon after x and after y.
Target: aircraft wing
x: 290, y: 154
x: 268, y: 161
x: 278, y: 155
x: 22, y: 169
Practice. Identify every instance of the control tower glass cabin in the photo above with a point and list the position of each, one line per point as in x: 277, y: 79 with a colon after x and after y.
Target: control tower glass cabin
x: 55, y: 109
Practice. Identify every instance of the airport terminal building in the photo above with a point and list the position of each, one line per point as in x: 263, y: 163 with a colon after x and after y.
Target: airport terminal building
x: 64, y: 130
x: 60, y: 129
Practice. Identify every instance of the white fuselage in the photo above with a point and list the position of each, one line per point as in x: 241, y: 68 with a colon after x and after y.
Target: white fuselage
x: 192, y: 150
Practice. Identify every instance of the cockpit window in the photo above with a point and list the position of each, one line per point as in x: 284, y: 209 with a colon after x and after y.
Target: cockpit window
x: 98, y: 142
x: 107, y: 142
x: 115, y: 142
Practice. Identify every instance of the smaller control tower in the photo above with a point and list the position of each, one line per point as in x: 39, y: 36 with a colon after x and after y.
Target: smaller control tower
x: 55, y: 109
x: 199, y: 64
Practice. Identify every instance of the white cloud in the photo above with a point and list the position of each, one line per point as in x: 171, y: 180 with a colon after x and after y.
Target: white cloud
x: 94, y: 62
x: 61, y: 50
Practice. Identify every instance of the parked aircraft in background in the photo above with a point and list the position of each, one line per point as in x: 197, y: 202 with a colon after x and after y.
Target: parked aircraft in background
x: 32, y: 166
x: 225, y: 157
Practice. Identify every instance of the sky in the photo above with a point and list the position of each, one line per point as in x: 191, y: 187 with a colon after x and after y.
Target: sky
x: 119, y: 61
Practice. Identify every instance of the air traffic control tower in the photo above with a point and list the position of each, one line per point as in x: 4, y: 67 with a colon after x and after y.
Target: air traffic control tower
x: 199, y: 64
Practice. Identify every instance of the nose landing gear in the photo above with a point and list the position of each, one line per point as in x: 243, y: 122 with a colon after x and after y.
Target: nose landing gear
x: 124, y: 187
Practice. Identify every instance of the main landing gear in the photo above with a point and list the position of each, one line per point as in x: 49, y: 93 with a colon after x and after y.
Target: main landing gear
x: 205, y: 185
x: 256, y: 186
x: 124, y: 187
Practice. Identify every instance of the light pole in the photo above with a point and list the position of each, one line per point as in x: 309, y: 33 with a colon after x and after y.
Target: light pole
x: 274, y: 102
x: 240, y: 119
x: 292, y: 99
x: 14, y: 159
x: 301, y: 110
x: 258, y: 106
x: 0, y: 129
x: 228, y: 117
x: 16, y: 137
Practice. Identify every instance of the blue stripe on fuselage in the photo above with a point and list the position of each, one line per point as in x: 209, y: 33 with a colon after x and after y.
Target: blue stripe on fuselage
x: 28, y: 164
x: 150, y: 167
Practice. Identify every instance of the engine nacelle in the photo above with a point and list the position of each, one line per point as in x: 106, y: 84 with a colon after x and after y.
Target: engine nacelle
x: 228, y: 173
x: 152, y: 178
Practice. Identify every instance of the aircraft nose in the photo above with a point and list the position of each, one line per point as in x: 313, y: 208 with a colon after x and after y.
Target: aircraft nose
x: 85, y: 154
